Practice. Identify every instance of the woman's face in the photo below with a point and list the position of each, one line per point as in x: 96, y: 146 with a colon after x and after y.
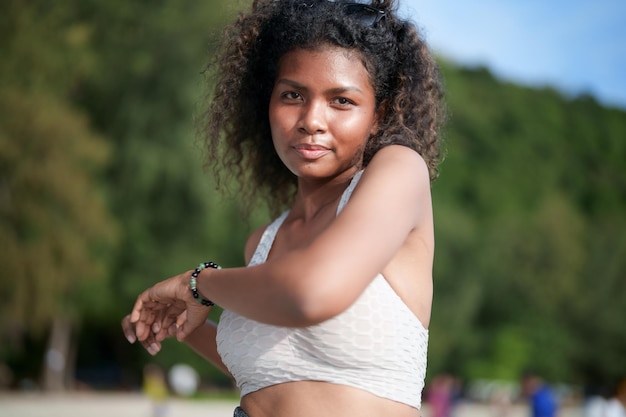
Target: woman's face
x: 322, y: 112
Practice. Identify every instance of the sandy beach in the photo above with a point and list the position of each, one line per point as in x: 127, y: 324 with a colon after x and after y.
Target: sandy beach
x: 136, y: 405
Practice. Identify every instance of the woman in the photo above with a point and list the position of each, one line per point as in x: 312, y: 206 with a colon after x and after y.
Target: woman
x: 331, y: 109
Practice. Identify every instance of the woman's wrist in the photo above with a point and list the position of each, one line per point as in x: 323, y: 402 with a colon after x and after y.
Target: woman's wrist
x: 193, y: 283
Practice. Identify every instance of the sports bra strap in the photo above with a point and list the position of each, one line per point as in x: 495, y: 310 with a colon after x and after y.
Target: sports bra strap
x: 267, y: 239
x: 348, y: 191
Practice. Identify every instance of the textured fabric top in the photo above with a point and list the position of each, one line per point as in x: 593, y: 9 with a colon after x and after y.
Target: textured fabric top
x: 377, y: 344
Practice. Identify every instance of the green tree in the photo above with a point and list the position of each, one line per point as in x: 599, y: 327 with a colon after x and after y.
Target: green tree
x: 55, y: 230
x: 528, y: 205
x: 148, y: 86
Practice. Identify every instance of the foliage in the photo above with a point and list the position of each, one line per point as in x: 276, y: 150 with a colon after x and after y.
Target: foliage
x: 97, y: 93
x: 169, y: 212
x: 528, y: 272
x: 55, y: 229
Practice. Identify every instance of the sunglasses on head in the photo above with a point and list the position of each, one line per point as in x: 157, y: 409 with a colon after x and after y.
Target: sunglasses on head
x: 365, y: 14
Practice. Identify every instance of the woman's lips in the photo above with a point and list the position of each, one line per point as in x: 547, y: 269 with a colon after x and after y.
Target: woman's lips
x: 310, y: 152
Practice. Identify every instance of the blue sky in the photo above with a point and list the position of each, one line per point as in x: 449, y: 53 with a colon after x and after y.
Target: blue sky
x: 575, y: 46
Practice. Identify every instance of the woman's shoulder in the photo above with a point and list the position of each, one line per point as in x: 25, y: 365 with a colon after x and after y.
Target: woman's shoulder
x: 400, y: 154
x: 399, y: 163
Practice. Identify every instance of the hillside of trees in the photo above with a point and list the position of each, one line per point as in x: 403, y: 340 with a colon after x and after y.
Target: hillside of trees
x: 102, y: 192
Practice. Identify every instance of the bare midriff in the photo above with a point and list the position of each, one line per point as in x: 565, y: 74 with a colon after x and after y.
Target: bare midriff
x: 315, y: 399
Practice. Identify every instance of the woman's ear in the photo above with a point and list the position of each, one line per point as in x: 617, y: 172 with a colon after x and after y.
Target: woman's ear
x: 379, y: 115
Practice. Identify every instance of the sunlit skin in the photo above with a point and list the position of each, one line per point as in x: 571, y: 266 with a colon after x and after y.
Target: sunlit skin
x: 322, y: 112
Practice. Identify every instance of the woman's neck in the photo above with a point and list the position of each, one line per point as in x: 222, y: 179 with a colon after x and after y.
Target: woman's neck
x: 315, y: 197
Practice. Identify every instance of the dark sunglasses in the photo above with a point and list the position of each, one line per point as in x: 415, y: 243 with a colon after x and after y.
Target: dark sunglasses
x: 365, y: 14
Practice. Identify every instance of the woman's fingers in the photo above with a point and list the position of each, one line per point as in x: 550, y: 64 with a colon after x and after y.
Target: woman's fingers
x: 164, y: 321
x: 195, y: 316
x: 143, y: 323
x: 150, y: 343
x: 165, y: 292
x: 135, y: 313
x: 128, y: 329
x: 181, y: 318
x: 155, y: 314
x: 148, y: 316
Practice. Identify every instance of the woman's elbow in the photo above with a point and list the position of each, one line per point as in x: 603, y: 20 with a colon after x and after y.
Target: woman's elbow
x: 318, y: 303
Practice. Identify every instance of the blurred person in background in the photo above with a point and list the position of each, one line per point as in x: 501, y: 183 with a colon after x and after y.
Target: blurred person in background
x: 441, y: 394
x: 616, y: 405
x: 155, y: 389
x: 542, y: 399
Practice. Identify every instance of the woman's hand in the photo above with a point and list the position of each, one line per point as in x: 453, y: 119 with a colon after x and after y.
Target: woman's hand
x: 163, y: 310
x: 150, y: 343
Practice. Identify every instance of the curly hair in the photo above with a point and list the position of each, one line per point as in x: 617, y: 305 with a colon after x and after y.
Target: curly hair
x: 236, y: 128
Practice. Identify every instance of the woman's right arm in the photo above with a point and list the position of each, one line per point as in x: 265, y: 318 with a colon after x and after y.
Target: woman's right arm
x: 203, y: 341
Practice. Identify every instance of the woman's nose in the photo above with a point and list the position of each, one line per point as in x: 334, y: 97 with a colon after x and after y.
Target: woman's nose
x: 313, y: 118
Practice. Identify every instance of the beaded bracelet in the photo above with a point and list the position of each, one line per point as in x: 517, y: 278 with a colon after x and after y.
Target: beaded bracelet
x: 193, y: 285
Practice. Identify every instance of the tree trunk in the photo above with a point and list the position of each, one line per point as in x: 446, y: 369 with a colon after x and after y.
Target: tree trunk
x: 56, y: 367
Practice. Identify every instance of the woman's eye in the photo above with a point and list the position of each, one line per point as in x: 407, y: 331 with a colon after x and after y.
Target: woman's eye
x: 343, y: 101
x: 291, y: 95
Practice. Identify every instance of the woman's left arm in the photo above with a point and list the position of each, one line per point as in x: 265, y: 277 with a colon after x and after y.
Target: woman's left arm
x: 312, y: 284
x: 309, y: 285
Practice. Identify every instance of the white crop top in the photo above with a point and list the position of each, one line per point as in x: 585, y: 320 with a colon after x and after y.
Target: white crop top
x: 377, y: 344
